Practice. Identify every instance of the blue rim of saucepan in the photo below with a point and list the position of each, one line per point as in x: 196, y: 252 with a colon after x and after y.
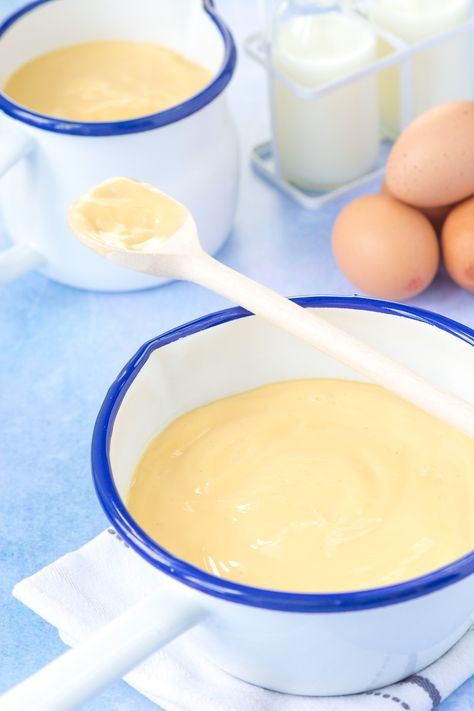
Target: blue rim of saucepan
x: 144, y: 123
x: 218, y: 587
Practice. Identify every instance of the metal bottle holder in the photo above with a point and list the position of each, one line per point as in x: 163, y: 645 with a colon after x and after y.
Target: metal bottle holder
x: 264, y: 156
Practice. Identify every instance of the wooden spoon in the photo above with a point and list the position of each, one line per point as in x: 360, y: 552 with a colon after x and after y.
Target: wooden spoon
x: 138, y: 227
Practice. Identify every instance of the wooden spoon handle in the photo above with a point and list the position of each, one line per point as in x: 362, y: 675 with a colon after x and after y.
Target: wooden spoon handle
x: 329, y: 339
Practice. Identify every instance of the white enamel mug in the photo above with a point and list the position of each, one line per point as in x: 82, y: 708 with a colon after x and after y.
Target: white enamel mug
x: 189, y: 151
x: 310, y: 644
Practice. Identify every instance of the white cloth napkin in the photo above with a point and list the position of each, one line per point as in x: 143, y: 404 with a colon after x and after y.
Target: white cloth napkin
x: 84, y: 589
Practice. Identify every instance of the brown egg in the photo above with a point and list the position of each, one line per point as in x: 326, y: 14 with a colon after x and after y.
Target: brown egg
x: 432, y: 162
x: 436, y: 215
x: 457, y: 243
x: 385, y: 248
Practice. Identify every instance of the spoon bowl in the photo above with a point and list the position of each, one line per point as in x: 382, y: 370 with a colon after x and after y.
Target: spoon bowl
x: 132, y: 224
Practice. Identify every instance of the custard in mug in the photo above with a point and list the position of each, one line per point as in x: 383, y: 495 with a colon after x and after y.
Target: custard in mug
x: 106, y: 81
x: 315, y: 485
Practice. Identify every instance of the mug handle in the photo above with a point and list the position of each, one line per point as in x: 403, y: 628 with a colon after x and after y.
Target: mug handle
x: 19, y: 258
x: 107, y: 654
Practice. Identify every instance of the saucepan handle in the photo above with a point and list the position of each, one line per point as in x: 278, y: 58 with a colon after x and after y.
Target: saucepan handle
x: 107, y: 654
x: 19, y: 258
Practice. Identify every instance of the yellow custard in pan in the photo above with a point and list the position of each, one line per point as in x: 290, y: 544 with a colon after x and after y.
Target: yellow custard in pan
x: 106, y: 81
x: 314, y: 485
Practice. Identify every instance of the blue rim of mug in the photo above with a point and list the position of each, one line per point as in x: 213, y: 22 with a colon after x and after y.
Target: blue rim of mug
x: 143, y: 123
x: 188, y: 574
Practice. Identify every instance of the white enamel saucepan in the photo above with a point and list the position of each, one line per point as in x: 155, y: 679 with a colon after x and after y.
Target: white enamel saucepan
x: 45, y: 162
x: 297, y: 643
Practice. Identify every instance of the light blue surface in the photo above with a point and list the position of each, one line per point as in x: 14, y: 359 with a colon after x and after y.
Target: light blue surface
x: 61, y: 348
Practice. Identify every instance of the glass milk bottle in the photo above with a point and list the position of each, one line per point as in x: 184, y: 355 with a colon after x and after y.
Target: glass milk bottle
x: 442, y: 73
x: 325, y: 141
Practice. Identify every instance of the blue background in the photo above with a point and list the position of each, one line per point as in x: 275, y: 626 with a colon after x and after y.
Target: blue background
x: 61, y: 348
